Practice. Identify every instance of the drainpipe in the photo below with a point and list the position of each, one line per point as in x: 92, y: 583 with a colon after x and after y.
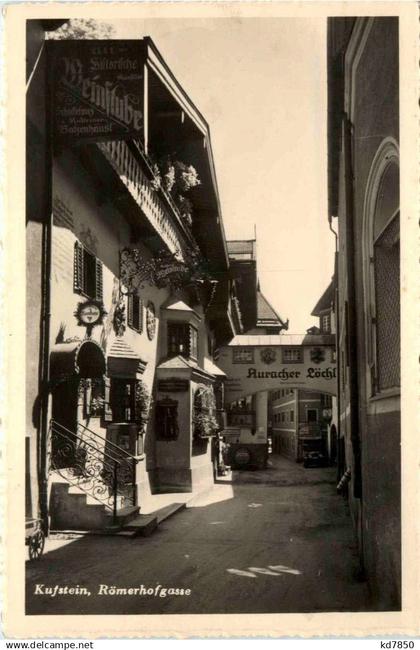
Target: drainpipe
x: 356, y: 475
x: 337, y: 337
x: 352, y: 324
x: 44, y: 377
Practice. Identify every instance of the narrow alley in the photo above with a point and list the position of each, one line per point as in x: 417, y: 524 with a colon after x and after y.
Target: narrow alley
x: 271, y: 541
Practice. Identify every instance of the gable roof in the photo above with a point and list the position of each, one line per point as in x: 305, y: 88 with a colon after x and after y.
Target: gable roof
x: 266, y: 314
x: 325, y: 300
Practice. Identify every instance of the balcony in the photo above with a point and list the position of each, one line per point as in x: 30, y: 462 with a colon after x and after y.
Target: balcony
x: 156, y: 206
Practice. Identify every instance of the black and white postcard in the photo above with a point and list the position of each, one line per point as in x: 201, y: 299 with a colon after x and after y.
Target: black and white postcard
x: 211, y: 319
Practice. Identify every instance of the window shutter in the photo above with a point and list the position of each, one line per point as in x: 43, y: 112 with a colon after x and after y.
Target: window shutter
x: 78, y: 271
x: 130, y: 310
x: 107, y: 400
x: 99, y: 281
x: 140, y: 311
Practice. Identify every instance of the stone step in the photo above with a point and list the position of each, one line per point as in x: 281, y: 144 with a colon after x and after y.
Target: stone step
x: 84, y: 512
x: 124, y: 515
x: 168, y: 511
x: 143, y: 525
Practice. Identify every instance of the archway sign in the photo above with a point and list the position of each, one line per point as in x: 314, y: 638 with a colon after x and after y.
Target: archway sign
x: 254, y: 363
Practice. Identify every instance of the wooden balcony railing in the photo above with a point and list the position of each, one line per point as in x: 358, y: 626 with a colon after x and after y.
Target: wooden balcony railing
x: 161, y: 212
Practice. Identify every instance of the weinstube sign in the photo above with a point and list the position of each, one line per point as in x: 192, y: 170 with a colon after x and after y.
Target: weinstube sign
x: 97, y: 90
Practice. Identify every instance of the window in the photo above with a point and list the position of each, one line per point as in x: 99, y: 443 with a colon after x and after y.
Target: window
x: 193, y: 342
x: 381, y: 254
x: 122, y: 399
x: 326, y: 323
x: 292, y: 416
x: 243, y: 355
x: 166, y: 415
x: 178, y: 339
x: 87, y: 278
x: 183, y: 340
x: 283, y: 416
x: 387, y: 293
x: 292, y: 355
x: 135, y: 312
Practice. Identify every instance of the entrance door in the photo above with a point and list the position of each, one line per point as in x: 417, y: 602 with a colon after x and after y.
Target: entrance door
x: 64, y: 427
x: 312, y: 415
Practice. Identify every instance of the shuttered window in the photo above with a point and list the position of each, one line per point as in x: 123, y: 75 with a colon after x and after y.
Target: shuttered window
x: 78, y: 275
x: 135, y: 312
x: 88, y: 275
x: 99, y: 280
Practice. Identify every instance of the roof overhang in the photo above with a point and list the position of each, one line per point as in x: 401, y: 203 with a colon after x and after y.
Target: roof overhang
x: 123, y: 362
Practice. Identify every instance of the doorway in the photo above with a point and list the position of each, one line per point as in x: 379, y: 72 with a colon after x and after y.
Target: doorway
x: 312, y: 415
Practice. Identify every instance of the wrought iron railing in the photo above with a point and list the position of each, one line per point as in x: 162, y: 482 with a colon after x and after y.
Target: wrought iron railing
x: 95, y: 465
x: 153, y: 205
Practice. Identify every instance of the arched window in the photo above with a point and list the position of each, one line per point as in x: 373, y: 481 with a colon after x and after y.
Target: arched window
x: 382, y: 270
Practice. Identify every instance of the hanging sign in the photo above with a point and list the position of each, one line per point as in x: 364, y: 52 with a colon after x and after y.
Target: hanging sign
x: 173, y: 385
x: 89, y: 314
x: 97, y: 89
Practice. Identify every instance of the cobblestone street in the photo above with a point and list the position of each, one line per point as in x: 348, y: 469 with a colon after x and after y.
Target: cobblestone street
x: 269, y: 541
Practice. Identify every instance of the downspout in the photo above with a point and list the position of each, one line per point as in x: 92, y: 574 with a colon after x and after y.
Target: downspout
x: 356, y: 475
x: 352, y: 324
x: 337, y: 337
x: 44, y: 374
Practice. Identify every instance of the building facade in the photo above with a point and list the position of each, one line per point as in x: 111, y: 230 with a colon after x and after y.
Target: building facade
x: 294, y: 413
x: 131, y: 285
x: 363, y: 135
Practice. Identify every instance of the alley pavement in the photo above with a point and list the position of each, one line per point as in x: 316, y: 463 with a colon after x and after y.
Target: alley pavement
x: 269, y: 541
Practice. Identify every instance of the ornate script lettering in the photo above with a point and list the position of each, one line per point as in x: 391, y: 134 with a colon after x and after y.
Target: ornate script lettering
x: 107, y: 97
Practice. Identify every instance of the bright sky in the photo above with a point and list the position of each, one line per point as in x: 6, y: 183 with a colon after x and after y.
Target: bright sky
x: 261, y: 85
